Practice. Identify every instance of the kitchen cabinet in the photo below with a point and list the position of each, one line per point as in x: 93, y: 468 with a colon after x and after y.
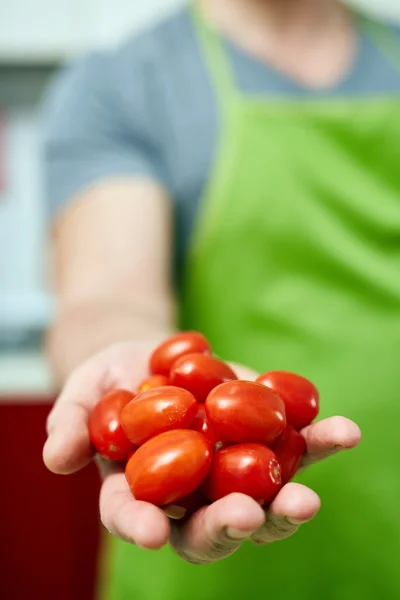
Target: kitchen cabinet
x: 50, y: 527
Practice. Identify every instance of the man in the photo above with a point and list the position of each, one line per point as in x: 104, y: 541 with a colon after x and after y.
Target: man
x: 235, y: 170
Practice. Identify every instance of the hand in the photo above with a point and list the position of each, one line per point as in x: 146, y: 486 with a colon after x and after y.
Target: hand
x: 212, y: 533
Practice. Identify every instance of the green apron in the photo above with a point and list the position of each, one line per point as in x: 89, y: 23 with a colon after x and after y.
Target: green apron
x: 295, y: 264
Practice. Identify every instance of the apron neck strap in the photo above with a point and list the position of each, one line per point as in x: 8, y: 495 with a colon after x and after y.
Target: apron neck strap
x: 384, y: 38
x: 221, y: 70
x: 216, y: 57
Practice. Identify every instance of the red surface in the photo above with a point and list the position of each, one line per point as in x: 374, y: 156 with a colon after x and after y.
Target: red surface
x: 50, y: 528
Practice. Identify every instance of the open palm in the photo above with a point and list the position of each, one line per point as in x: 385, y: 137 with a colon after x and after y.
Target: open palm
x: 213, y: 532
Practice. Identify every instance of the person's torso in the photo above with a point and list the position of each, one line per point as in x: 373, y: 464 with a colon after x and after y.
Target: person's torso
x: 183, y: 103
x: 300, y: 272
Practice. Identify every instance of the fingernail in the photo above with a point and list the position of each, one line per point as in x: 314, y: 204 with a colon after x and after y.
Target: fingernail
x: 237, y: 534
x: 175, y: 512
x: 297, y: 522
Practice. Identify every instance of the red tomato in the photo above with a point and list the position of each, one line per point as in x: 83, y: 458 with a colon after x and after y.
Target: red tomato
x: 202, y: 424
x: 174, y: 347
x: 243, y: 411
x: 186, y: 507
x: 200, y: 373
x: 289, y: 450
x: 105, y: 428
x: 158, y: 410
x: 154, y: 381
x: 251, y: 469
x: 169, y: 467
x: 131, y: 453
x: 300, y: 396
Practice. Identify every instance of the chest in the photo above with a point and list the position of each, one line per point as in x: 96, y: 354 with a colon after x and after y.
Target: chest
x: 193, y: 131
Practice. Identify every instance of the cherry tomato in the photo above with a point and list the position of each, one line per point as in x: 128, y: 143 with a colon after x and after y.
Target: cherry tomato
x: 158, y: 410
x: 200, y: 373
x: 202, y: 424
x: 243, y: 411
x: 300, y: 396
x: 169, y: 467
x: 186, y: 507
x: 289, y: 450
x: 251, y: 469
x: 174, y: 347
x: 131, y: 453
x: 105, y: 428
x: 154, y: 381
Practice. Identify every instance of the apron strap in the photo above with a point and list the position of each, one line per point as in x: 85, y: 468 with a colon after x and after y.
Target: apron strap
x: 221, y: 71
x: 384, y: 38
x: 217, y: 60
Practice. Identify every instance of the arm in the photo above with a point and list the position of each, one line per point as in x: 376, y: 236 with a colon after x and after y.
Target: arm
x: 112, y: 252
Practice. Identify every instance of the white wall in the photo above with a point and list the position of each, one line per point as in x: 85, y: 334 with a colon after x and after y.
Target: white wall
x: 119, y: 17
x: 34, y: 29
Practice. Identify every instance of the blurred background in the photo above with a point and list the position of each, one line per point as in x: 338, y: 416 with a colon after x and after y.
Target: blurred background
x: 35, y: 38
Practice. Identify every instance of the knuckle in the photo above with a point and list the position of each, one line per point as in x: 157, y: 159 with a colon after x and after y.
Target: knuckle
x: 280, y: 527
x: 179, y: 544
x: 213, y: 550
x: 274, y: 529
x: 190, y: 558
x: 220, y: 548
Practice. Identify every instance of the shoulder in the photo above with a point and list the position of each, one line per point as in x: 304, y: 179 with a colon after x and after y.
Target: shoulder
x: 161, y: 42
x: 122, y: 77
x: 141, y: 55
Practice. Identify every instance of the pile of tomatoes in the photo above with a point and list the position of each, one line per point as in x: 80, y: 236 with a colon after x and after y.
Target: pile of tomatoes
x: 193, y: 432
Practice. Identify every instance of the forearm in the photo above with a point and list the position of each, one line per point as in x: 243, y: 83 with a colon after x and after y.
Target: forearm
x: 79, y: 332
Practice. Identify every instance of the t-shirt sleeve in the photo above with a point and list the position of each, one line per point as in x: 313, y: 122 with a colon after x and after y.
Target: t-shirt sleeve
x: 97, y: 124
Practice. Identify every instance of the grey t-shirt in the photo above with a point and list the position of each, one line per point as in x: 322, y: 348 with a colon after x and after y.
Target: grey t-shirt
x: 148, y: 108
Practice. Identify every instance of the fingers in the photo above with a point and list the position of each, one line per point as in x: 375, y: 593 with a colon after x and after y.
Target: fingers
x: 217, y: 531
x: 328, y: 437
x: 134, y: 522
x: 294, y: 505
x: 68, y: 447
